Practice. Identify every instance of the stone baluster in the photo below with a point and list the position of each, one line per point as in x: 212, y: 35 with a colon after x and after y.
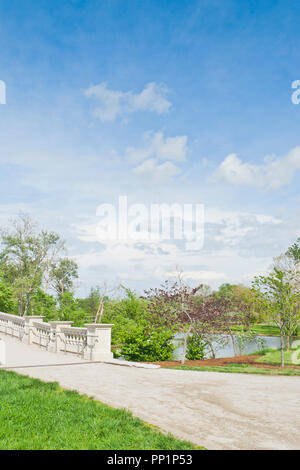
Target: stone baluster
x: 28, y: 328
x: 56, y: 343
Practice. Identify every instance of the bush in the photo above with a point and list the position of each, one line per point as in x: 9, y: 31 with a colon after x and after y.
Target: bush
x: 6, y: 299
x: 70, y: 311
x: 126, y: 315
x: 143, y: 344
x: 122, y: 326
x: 195, y: 347
x: 116, y: 354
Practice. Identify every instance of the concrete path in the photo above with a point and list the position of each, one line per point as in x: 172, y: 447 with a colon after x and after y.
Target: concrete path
x: 215, y: 410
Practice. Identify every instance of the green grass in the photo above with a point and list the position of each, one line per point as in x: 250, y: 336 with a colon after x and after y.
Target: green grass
x: 273, y: 356
x: 242, y: 369
x: 262, y: 329
x: 38, y: 415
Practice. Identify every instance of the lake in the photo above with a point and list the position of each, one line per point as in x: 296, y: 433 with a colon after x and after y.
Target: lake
x: 227, y: 349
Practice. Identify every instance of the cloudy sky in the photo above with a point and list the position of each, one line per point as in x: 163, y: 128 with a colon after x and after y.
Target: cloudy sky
x: 162, y: 101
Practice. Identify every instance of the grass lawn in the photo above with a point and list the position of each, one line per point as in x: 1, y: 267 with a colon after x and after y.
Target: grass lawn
x: 38, y: 415
x: 273, y: 356
x: 268, y: 356
x: 242, y: 369
x: 262, y: 329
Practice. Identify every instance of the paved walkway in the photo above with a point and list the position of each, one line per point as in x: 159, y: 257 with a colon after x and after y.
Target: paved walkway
x: 215, y: 410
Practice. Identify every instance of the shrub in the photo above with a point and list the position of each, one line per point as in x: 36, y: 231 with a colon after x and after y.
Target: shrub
x: 195, y: 347
x: 143, y: 344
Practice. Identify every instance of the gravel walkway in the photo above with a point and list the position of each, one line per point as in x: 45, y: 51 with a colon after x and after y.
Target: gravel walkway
x: 215, y: 410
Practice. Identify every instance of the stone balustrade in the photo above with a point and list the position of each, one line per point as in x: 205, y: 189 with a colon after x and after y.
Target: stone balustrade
x: 92, y: 343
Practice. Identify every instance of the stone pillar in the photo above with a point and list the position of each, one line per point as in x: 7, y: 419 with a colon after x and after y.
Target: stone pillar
x: 28, y: 325
x: 98, y: 342
x: 2, y: 353
x: 56, y: 343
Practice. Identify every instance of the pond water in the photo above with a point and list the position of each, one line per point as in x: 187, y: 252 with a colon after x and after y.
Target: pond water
x: 226, y: 350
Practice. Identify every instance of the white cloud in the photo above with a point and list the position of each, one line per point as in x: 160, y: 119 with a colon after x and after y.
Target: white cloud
x: 152, y: 98
x: 232, y: 227
x: 115, y: 103
x: 204, y: 276
x: 111, y: 101
x: 237, y: 245
x: 160, y: 147
x: 273, y: 173
x: 154, y: 172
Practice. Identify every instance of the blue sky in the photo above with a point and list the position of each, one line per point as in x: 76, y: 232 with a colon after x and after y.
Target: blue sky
x: 162, y: 101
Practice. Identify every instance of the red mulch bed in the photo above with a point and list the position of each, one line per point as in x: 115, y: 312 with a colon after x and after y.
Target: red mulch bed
x: 223, y: 361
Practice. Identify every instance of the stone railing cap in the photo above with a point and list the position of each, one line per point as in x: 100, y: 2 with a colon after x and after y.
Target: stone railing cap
x: 98, y: 325
x: 10, y: 315
x: 37, y: 317
x: 42, y: 324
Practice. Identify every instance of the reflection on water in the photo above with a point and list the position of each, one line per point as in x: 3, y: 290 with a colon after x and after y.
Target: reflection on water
x: 226, y: 350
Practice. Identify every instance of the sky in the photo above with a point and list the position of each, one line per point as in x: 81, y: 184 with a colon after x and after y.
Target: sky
x: 164, y: 102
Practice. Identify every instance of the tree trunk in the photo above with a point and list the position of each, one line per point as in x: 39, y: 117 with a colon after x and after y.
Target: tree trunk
x: 211, y: 349
x: 288, y: 343
x: 186, y: 335
x: 282, y: 348
x: 20, y: 309
x: 99, y: 314
x: 233, y: 344
x: 26, y: 307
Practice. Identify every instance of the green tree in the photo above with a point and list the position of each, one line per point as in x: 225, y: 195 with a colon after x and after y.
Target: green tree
x: 125, y: 314
x: 281, y: 302
x: 294, y: 251
x: 69, y: 310
x: 6, y: 299
x: 91, y: 303
x: 226, y: 291
x: 133, y: 306
x: 24, y: 259
x: 63, y: 274
x: 44, y: 304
